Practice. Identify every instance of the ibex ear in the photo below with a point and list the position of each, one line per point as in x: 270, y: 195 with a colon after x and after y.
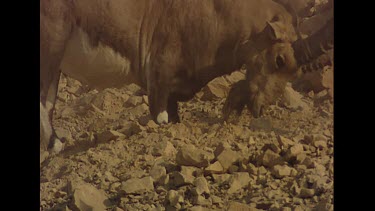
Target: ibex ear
x: 274, y: 30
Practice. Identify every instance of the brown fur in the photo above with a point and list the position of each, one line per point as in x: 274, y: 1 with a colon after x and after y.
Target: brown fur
x: 174, y: 47
x: 265, y: 81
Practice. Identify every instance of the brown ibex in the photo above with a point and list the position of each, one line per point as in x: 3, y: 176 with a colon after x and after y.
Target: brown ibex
x: 171, y: 48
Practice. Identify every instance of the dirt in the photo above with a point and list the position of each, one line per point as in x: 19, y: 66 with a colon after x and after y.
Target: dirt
x: 280, y: 161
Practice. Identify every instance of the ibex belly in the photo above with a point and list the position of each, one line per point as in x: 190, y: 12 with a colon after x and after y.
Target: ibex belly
x: 99, y: 67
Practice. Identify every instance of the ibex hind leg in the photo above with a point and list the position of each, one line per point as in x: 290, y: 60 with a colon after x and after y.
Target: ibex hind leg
x: 55, y: 30
x: 48, y: 95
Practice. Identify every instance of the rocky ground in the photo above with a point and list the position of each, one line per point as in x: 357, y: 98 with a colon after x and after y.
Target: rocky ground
x: 116, y: 158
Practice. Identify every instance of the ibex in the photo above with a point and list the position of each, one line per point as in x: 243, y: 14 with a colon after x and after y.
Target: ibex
x: 171, y: 48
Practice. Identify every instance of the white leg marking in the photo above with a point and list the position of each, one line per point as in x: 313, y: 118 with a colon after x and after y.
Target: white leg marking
x: 162, y: 117
x: 57, y: 146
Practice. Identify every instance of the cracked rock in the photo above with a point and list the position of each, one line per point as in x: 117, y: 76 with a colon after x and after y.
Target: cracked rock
x: 189, y: 155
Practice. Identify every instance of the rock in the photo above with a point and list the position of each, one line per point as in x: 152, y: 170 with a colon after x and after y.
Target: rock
x: 294, y: 151
x: 87, y: 197
x: 191, y: 171
x: 189, y: 155
x: 178, y: 179
x: 158, y: 173
x: 109, y: 135
x: 319, y: 169
x: 280, y: 171
x: 240, y: 207
x: 292, y: 99
x: 233, y: 168
x: 286, y: 209
x: 262, y: 170
x: 221, y: 147
x: 300, y: 158
x: 237, y: 181
x: 174, y: 199
x: 198, y: 208
x: 307, y: 162
x: 179, y: 131
x: 63, y: 134
x: 152, y: 124
x: 235, y: 77
x: 143, y: 120
x: 109, y: 177
x: 43, y: 155
x: 270, y: 158
x: 164, y: 148
x: 221, y: 178
x: 261, y: 124
x: 133, y: 101
x: 307, y: 193
x: 298, y: 208
x: 216, y: 200
x: 322, y: 95
x: 227, y: 158
x: 133, y: 88
x: 320, y: 144
x: 130, y: 129
x: 201, y: 186
x: 201, y: 200
x: 145, y: 99
x: 274, y: 147
x: 214, y: 168
x: 284, y: 142
x: 138, y: 110
x: 136, y: 185
x: 251, y: 140
x: 217, y: 88
x: 323, y: 206
x: 252, y: 169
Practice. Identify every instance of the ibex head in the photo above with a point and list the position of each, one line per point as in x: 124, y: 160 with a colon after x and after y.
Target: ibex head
x: 274, y: 66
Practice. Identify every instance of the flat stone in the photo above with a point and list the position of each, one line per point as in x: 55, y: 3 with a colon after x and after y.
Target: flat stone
x: 201, y: 186
x: 221, y: 178
x: 216, y: 200
x: 130, y: 129
x: 133, y: 101
x: 152, y: 124
x: 87, y: 197
x: 136, y: 185
x: 109, y: 135
x: 294, y: 151
x: 252, y: 169
x: 237, y: 181
x: 216, y: 89
x: 201, y: 200
x: 284, y: 142
x: 280, y: 171
x: 178, y: 179
x: 63, y: 133
x: 139, y: 110
x: 164, y: 148
x: 240, y: 207
x: 174, y: 198
x: 198, y: 208
x: 270, y: 158
x: 307, y: 193
x: 221, y: 147
x: 320, y: 144
x: 189, y: 155
x: 227, y: 158
x: 214, y: 168
x: 158, y: 173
